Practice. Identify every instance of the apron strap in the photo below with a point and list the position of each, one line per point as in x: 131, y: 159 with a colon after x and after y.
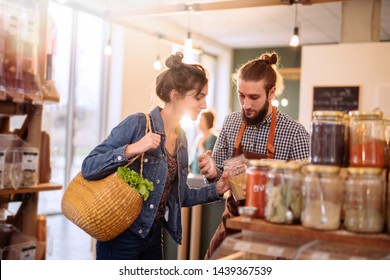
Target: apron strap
x: 237, y: 145
x: 270, y: 145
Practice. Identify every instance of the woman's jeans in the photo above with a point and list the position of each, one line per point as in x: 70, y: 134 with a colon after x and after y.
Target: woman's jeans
x: 129, y: 246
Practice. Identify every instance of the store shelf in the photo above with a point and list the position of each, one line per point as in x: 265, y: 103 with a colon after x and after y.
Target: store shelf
x: 35, y: 189
x: 381, y: 240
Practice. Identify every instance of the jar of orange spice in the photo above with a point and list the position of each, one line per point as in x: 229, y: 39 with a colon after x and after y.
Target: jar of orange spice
x: 366, y: 139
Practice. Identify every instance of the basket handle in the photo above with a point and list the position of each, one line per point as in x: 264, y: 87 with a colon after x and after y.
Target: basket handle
x: 147, y: 129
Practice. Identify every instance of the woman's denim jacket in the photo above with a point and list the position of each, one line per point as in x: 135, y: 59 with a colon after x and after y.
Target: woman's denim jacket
x: 107, y: 156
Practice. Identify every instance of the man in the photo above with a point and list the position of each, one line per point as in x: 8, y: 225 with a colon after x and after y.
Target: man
x: 258, y: 131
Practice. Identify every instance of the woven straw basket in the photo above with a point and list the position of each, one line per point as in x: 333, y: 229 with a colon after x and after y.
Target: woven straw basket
x: 103, y: 208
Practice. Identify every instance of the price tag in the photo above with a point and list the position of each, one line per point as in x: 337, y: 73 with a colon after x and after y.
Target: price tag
x: 320, y: 256
x: 242, y: 246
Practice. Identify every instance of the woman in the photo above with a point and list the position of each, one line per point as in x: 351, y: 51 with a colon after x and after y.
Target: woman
x: 205, y: 141
x: 183, y: 89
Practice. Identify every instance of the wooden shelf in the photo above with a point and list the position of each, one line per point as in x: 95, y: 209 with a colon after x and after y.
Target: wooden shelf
x: 37, y: 188
x: 381, y: 240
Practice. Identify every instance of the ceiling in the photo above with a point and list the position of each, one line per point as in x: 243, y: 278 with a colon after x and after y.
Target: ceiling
x: 235, y: 24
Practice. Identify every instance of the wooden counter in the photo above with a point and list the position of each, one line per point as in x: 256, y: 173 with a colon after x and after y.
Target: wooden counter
x: 381, y: 240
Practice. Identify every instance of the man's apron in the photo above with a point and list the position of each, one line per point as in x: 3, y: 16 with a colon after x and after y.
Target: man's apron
x: 231, y: 205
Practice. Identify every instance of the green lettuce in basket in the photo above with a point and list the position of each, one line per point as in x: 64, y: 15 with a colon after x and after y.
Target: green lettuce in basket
x: 141, y: 185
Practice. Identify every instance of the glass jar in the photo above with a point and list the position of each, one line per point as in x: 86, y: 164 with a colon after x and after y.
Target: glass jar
x: 256, y: 180
x: 322, y: 192
x: 236, y: 168
x: 327, y: 130
x: 366, y: 144
x: 283, y: 193
x: 364, y: 204
x: 347, y: 119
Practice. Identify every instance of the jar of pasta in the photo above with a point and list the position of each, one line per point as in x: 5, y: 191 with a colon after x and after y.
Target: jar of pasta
x: 364, y: 206
x: 327, y: 130
x: 283, y: 193
x: 236, y: 168
x: 366, y: 142
x: 322, y: 193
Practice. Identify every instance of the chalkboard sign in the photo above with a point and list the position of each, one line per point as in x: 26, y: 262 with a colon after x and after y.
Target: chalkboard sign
x: 336, y: 98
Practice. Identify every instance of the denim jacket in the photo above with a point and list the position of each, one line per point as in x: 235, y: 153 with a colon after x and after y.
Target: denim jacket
x: 105, y: 158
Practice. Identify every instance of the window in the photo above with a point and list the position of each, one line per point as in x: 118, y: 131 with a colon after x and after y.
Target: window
x: 74, y: 123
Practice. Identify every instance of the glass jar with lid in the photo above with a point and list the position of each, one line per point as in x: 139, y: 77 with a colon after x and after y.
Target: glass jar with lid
x: 364, y: 203
x: 283, y: 193
x: 366, y: 144
x: 347, y: 119
x: 322, y: 193
x: 256, y: 180
x: 327, y: 132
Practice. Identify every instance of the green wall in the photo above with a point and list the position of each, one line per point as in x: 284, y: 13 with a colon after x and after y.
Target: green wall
x: 289, y: 58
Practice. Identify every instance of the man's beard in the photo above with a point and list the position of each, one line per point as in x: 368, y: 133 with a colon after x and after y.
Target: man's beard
x: 257, y: 118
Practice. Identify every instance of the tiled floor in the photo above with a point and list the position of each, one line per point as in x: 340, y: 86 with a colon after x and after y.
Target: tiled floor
x: 65, y: 241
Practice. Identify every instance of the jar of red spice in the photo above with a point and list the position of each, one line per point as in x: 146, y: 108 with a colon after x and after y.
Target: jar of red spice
x: 366, y: 142
x: 256, y: 180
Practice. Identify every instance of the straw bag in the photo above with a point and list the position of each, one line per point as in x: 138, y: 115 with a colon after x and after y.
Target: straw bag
x: 103, y: 208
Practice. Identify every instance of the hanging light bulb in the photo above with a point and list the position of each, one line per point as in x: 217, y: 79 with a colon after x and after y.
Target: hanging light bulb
x: 294, y: 41
x: 157, y: 64
x: 284, y: 102
x: 108, y: 48
x: 188, y: 42
x: 275, y: 103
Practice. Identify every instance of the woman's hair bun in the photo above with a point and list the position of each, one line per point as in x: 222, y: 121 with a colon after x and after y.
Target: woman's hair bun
x: 174, y: 61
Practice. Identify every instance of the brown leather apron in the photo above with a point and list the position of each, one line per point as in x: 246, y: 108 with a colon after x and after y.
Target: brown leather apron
x: 231, y: 205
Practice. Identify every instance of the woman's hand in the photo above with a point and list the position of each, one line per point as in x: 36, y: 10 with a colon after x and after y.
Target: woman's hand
x: 149, y: 142
x: 207, y: 166
x: 222, y: 185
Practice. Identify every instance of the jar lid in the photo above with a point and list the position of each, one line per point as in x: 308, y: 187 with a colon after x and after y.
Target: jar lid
x: 323, y: 168
x: 328, y: 114
x: 364, y: 170
x: 277, y: 164
x: 293, y: 165
x: 263, y: 162
x: 369, y: 115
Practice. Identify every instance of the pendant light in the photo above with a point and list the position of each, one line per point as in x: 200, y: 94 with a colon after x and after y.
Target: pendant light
x: 157, y: 62
x: 188, y: 44
x: 294, y: 41
x: 108, y: 48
